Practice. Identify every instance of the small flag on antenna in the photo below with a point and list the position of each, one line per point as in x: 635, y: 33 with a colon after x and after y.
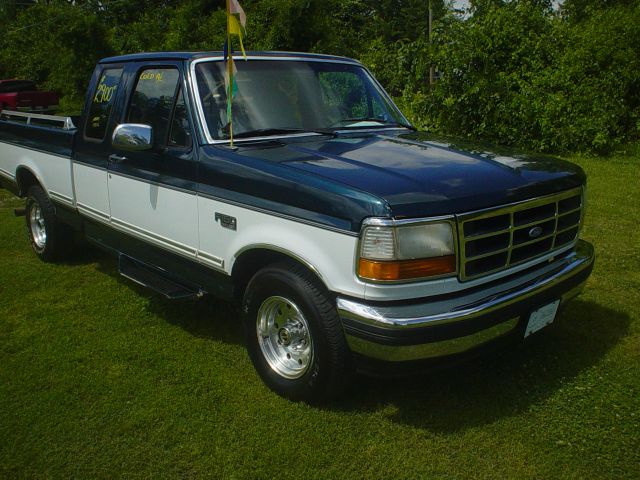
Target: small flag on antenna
x: 230, y: 84
x: 234, y: 7
x: 234, y: 27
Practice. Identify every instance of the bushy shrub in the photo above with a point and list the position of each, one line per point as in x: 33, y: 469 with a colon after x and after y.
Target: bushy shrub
x: 57, y: 45
x: 519, y: 74
x: 591, y: 96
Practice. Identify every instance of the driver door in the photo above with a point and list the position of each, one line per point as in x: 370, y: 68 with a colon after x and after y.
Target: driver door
x: 152, y: 192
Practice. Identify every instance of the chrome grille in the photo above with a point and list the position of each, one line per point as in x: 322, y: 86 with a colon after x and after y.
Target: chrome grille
x: 496, y: 239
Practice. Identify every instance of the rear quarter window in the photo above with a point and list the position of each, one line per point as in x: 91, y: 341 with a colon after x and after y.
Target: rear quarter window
x: 102, y: 103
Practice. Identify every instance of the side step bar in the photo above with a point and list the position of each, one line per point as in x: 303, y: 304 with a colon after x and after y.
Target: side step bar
x: 156, y: 280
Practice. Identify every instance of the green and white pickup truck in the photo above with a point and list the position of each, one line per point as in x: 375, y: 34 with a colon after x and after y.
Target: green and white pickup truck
x: 351, y: 241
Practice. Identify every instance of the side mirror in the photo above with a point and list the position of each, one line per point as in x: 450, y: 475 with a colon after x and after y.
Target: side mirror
x: 133, y: 137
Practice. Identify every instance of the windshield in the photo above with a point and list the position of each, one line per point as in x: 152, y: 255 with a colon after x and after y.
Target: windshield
x: 279, y: 96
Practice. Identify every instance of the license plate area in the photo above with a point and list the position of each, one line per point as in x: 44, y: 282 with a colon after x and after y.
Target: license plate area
x: 540, y: 318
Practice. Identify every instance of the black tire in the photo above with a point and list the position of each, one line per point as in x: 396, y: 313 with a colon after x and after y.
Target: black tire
x: 329, y: 368
x: 57, y: 241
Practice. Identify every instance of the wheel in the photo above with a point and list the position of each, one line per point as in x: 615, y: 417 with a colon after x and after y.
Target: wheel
x: 294, y: 335
x: 50, y: 239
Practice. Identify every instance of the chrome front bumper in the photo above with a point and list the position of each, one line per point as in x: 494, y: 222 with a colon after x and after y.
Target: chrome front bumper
x: 451, y: 325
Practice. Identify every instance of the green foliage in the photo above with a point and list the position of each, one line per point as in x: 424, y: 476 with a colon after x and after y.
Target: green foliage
x: 511, y: 71
x: 592, y: 95
x: 490, y: 65
x: 518, y: 74
x: 69, y: 42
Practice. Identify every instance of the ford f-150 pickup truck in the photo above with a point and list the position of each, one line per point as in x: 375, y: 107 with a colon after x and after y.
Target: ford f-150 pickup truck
x: 351, y: 241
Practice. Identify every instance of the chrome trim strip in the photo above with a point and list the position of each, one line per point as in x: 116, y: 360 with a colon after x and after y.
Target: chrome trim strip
x: 486, y: 235
x: 92, y: 212
x: 391, y: 222
x: 442, y: 348
x: 369, y: 314
x: 61, y: 198
x: 210, y: 259
x: 521, y: 205
x: 268, y: 137
x: 154, y: 237
x: 293, y: 58
x: 494, y: 252
x: 303, y: 134
x: 7, y: 174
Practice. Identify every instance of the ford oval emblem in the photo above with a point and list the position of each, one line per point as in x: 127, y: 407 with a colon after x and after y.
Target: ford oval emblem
x: 535, y: 232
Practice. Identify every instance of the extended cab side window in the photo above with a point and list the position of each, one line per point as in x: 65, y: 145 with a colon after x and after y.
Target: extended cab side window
x: 157, y: 101
x: 102, y: 103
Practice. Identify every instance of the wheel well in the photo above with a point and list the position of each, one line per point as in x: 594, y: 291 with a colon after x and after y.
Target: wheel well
x: 249, y: 262
x: 25, y: 180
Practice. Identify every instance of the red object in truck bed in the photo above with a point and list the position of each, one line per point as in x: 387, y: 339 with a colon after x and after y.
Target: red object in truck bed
x: 24, y: 96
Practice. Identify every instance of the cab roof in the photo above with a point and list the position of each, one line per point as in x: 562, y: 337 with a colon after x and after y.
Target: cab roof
x: 141, y: 57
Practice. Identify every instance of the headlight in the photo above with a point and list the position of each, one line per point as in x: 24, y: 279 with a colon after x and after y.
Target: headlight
x: 391, y: 253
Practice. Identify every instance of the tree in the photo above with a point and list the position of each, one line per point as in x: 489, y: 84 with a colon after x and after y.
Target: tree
x: 68, y: 42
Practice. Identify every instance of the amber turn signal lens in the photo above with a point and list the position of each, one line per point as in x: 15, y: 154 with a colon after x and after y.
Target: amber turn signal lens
x: 406, y: 269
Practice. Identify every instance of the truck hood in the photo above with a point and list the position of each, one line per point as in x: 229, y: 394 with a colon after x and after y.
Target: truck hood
x: 418, y: 175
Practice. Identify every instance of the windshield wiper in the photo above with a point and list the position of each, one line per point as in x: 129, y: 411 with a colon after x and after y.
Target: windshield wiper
x: 266, y: 132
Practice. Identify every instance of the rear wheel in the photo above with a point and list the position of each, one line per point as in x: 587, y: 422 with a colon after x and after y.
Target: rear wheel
x: 50, y: 239
x: 294, y: 335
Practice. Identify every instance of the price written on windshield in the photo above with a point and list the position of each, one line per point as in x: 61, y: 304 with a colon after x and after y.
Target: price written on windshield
x: 104, y: 93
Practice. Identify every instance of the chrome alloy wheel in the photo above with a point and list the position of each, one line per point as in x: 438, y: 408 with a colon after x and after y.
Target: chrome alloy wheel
x: 284, y: 337
x: 37, y: 226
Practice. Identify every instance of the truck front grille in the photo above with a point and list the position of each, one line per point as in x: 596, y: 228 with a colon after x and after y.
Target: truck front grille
x: 496, y: 239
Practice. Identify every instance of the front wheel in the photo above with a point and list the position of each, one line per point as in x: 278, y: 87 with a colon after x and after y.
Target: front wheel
x: 294, y: 335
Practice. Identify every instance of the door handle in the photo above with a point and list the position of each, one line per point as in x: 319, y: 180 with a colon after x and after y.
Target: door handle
x: 116, y: 158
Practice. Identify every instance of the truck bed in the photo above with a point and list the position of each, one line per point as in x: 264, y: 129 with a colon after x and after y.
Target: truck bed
x: 42, y: 145
x: 48, y: 133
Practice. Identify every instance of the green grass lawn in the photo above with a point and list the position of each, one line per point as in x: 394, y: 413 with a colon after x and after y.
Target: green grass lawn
x: 99, y: 378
